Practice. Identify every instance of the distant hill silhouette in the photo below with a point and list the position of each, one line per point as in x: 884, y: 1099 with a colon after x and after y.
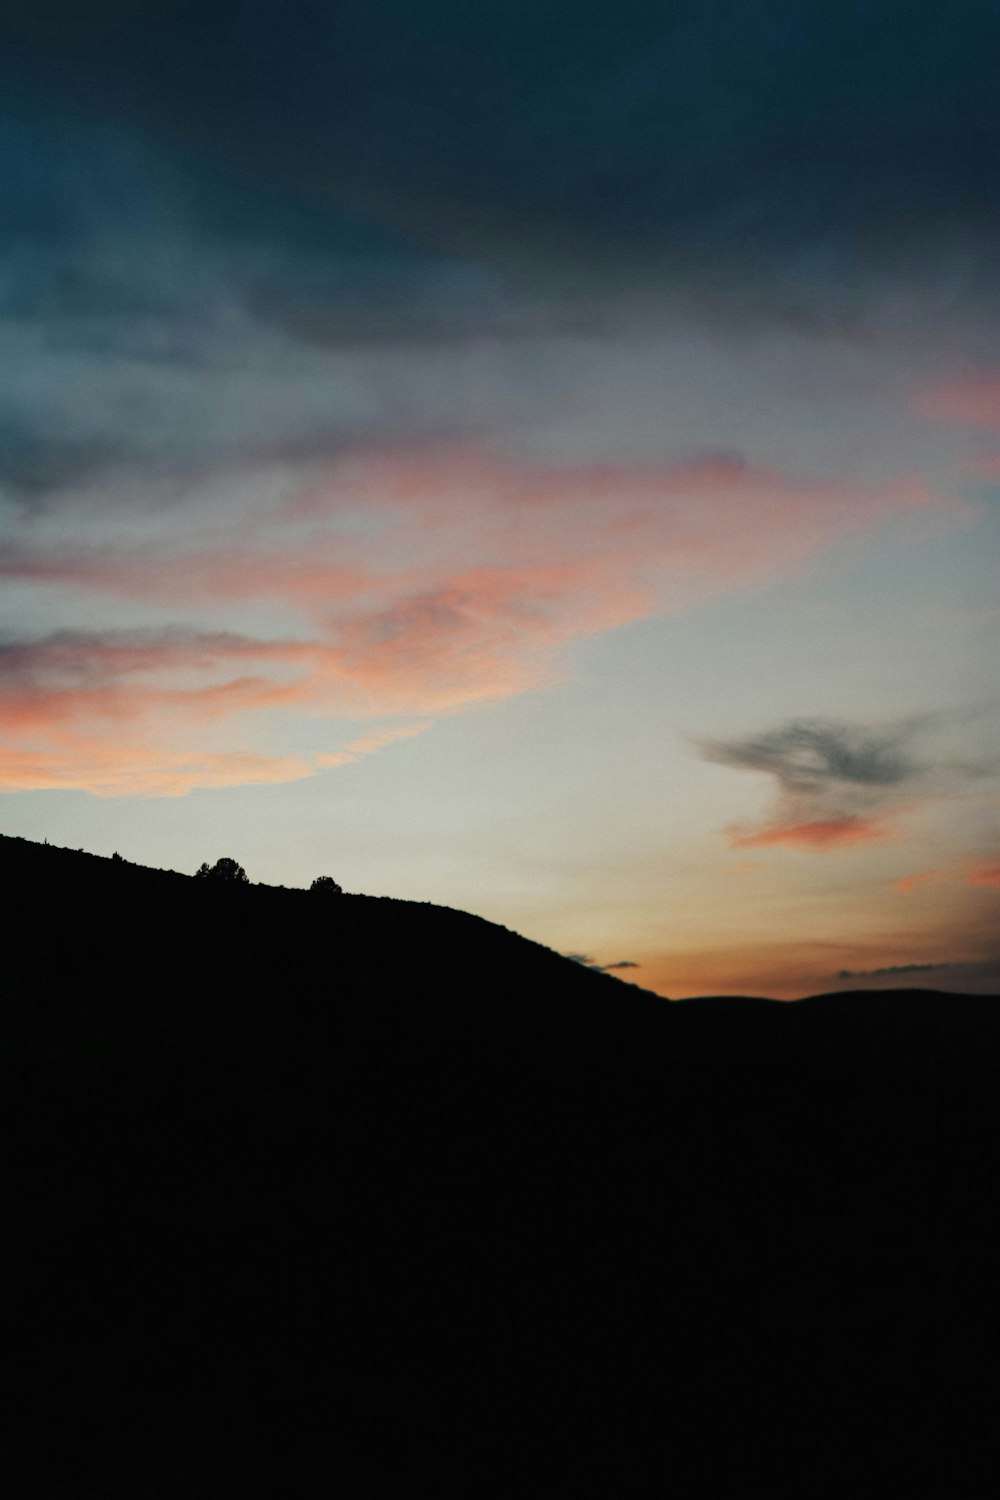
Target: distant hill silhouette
x: 309, y: 1195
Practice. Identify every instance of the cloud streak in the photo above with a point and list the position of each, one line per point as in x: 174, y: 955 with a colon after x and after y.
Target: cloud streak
x: 465, y: 581
x: 894, y: 969
x: 820, y: 833
x: 972, y: 401
x: 588, y: 963
x: 984, y: 872
x: 808, y: 756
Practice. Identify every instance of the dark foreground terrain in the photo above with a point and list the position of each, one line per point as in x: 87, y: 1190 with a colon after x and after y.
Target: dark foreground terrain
x: 330, y: 1194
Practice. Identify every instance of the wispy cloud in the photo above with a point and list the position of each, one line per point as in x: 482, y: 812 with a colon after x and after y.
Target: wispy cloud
x: 808, y: 756
x: 371, y: 744
x: 894, y: 969
x: 841, y: 784
x: 836, y: 783
x: 821, y: 833
x: 418, y: 584
x: 972, y: 977
x: 110, y: 768
x: 972, y: 872
x: 968, y: 401
x: 922, y: 877
x: 588, y: 963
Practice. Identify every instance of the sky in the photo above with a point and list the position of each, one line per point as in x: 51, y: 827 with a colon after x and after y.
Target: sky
x: 539, y: 458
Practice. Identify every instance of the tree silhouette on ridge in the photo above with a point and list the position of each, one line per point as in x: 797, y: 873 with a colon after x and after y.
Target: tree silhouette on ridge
x: 224, y: 869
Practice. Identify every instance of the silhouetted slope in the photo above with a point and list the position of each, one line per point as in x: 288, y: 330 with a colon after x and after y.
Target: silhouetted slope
x: 309, y: 1192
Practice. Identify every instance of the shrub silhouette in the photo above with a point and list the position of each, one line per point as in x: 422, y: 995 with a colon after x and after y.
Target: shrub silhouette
x: 327, y: 885
x: 224, y: 869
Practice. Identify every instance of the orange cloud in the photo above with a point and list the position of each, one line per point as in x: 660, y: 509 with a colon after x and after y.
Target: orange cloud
x: 981, y: 872
x: 371, y: 744
x: 910, y: 882
x: 823, y: 833
x: 111, y: 768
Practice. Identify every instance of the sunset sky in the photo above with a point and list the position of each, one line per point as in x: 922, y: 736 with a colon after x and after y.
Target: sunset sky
x: 536, y: 456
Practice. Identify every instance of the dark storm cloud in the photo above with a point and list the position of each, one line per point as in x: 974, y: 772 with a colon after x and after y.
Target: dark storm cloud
x: 195, y: 196
x: 706, y: 132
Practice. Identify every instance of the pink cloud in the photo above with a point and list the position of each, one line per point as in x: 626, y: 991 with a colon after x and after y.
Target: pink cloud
x: 972, y: 401
x: 983, y: 466
x: 468, y: 578
x: 111, y: 768
x: 680, y: 532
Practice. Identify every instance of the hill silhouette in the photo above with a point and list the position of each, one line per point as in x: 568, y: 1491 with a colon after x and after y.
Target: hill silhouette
x: 309, y: 1192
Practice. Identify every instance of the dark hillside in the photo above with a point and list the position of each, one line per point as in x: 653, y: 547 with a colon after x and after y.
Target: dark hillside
x: 308, y: 1193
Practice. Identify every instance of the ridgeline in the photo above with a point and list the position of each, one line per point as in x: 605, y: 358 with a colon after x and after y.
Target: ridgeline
x: 309, y: 1192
